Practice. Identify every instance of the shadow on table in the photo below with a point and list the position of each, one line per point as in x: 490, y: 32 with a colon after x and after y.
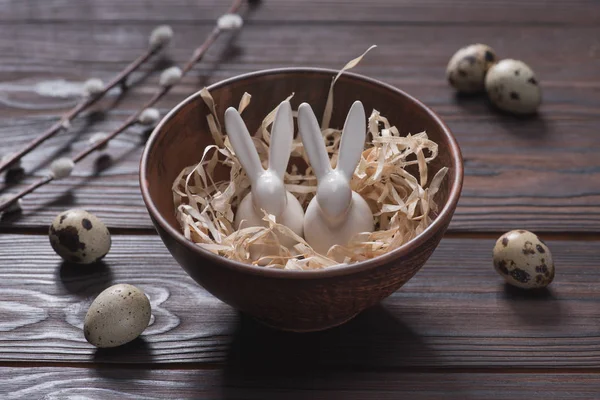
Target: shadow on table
x: 83, y: 280
x: 529, y: 127
x: 470, y: 102
x: 138, y: 353
x: 355, y: 356
x: 538, y: 307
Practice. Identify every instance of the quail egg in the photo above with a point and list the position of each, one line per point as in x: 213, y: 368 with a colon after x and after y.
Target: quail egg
x: 79, y: 236
x: 117, y: 316
x: 512, y: 86
x: 523, y: 260
x: 468, y: 66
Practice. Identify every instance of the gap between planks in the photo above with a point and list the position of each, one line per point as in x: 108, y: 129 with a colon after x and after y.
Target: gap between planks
x: 568, y: 236
x: 329, y: 23
x: 43, y: 230
x: 216, y: 366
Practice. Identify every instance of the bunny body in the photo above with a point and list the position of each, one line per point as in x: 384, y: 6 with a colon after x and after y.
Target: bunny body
x: 292, y: 217
x: 268, y: 191
x: 336, y: 213
x: 321, y: 234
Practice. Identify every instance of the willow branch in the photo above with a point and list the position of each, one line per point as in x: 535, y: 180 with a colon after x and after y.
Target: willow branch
x: 84, y: 104
x: 134, y: 118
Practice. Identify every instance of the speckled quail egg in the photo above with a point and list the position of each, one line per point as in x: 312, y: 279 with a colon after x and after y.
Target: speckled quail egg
x: 468, y: 66
x: 79, y: 236
x: 511, y: 86
x: 523, y: 260
x: 117, y: 316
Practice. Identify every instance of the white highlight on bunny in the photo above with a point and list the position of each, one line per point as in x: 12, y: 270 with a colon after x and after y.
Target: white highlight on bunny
x: 268, y: 191
x: 336, y: 213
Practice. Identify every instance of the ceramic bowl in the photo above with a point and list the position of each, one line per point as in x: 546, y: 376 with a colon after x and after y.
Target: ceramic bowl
x: 293, y: 300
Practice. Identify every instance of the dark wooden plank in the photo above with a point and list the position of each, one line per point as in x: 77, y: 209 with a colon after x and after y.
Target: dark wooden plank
x: 128, y: 384
x: 532, y: 173
x: 456, y: 312
x: 391, y: 11
x: 566, y: 56
x: 511, y: 179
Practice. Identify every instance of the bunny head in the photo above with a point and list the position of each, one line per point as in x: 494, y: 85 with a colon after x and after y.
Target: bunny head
x: 334, y: 195
x: 268, y: 188
x: 269, y: 193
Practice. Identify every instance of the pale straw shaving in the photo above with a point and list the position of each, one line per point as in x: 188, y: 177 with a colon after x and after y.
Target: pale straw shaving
x: 403, y: 205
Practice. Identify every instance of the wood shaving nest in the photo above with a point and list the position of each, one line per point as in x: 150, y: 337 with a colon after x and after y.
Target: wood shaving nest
x: 403, y: 205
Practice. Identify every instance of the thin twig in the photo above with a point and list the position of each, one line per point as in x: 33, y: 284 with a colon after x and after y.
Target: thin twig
x: 133, y: 119
x: 27, y: 190
x: 85, y: 103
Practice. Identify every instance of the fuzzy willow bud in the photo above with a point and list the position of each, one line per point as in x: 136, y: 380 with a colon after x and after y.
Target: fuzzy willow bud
x: 97, y: 138
x: 170, y: 76
x: 160, y: 36
x: 93, y: 87
x: 149, y: 116
x: 62, y: 167
x: 229, y: 22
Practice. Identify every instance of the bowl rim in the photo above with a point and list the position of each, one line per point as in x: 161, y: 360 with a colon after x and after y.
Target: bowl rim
x: 344, y: 269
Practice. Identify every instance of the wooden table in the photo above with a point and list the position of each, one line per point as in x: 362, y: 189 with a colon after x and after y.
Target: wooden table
x: 454, y: 331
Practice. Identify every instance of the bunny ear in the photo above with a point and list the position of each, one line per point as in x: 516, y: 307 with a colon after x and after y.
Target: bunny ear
x: 242, y: 144
x: 353, y: 140
x: 312, y: 138
x: 282, y: 135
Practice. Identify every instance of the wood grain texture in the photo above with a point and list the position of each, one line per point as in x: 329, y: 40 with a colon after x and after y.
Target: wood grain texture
x: 386, y: 11
x: 427, y: 341
x: 456, y: 312
x: 411, y: 53
x: 130, y: 384
x: 512, y: 165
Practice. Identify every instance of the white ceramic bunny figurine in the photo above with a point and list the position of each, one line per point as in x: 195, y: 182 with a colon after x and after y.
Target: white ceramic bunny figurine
x: 268, y: 189
x: 336, y: 213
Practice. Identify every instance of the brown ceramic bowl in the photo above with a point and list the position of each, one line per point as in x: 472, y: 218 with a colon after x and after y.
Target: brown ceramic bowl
x: 293, y: 300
